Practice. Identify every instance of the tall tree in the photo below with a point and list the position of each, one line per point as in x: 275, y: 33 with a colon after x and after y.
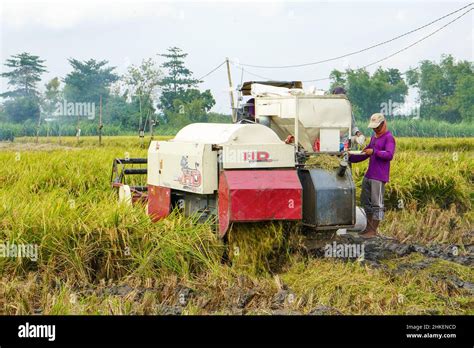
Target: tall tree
x: 445, y: 88
x: 141, y: 84
x: 178, y: 78
x: 21, y: 109
x: 181, y: 101
x: 51, y: 96
x: 119, y: 111
x: 25, y: 74
x: 88, y: 81
x: 366, y: 92
x: 463, y: 98
x: 205, y: 98
x: 23, y: 98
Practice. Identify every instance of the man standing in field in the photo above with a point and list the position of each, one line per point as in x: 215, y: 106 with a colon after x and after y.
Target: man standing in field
x: 380, y: 152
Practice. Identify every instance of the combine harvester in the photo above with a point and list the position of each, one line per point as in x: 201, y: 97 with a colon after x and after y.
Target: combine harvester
x: 254, y: 170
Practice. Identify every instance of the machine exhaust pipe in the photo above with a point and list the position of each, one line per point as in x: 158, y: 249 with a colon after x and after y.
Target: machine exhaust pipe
x: 342, y: 168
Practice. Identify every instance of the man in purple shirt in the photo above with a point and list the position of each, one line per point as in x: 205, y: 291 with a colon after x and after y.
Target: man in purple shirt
x: 380, y: 152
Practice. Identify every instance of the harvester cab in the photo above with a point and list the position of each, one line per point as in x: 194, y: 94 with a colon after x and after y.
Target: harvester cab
x: 246, y: 102
x: 256, y: 169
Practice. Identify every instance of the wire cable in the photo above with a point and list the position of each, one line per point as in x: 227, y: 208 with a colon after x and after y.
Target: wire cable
x: 256, y: 75
x: 361, y: 50
x: 210, y: 72
x: 403, y: 49
x: 418, y: 41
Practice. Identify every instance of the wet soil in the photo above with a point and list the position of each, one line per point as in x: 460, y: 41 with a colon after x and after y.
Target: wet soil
x: 383, y: 248
x: 249, y: 297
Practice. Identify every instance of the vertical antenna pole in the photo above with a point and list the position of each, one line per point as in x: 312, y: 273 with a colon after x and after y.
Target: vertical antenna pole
x: 100, y: 120
x: 297, y: 122
x: 231, y: 92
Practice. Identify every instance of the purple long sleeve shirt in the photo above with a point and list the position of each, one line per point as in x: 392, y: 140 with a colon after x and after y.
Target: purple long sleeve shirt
x: 379, y: 162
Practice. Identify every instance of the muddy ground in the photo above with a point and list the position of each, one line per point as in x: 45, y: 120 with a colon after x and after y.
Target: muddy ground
x: 249, y: 296
x: 382, y: 248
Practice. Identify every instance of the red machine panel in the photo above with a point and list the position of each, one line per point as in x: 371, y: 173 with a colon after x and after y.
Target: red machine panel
x: 159, y: 202
x: 258, y: 195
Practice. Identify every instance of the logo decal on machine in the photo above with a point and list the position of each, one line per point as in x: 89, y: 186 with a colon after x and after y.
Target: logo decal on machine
x: 190, y: 178
x: 257, y: 156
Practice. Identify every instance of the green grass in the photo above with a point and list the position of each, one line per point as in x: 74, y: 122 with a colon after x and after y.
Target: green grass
x: 399, y: 127
x: 426, y: 128
x: 436, y: 144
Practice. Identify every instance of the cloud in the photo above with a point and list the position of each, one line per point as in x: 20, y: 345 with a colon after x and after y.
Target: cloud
x: 400, y: 16
x: 57, y: 14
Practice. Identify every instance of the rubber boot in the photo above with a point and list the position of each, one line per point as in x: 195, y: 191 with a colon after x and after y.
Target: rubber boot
x: 375, y: 225
x: 368, y: 227
x: 371, y: 229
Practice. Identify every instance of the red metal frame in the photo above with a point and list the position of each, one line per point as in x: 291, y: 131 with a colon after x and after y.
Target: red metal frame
x: 258, y: 195
x: 159, y: 202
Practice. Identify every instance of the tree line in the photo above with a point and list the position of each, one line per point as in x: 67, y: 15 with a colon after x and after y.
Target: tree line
x: 169, y: 95
x: 147, y: 93
x: 445, y: 90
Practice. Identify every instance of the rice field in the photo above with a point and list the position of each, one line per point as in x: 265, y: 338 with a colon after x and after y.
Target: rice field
x: 98, y: 257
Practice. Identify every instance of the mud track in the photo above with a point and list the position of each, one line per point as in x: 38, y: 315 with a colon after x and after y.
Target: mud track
x: 383, y: 248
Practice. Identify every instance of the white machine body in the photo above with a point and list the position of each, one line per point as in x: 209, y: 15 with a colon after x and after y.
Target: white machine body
x: 190, y: 161
x: 327, y: 118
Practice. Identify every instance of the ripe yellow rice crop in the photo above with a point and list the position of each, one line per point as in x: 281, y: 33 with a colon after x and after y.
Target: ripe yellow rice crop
x: 323, y: 161
x: 59, y: 197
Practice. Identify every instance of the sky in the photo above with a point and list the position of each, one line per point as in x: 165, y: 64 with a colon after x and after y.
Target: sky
x: 125, y: 32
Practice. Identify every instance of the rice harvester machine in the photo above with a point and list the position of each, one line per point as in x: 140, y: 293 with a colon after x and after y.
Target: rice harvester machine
x: 254, y: 169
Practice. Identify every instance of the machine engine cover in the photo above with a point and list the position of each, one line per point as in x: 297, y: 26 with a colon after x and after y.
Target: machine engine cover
x: 258, y: 195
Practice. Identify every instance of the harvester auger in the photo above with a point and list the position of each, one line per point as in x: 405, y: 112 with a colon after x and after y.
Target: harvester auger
x: 254, y: 170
